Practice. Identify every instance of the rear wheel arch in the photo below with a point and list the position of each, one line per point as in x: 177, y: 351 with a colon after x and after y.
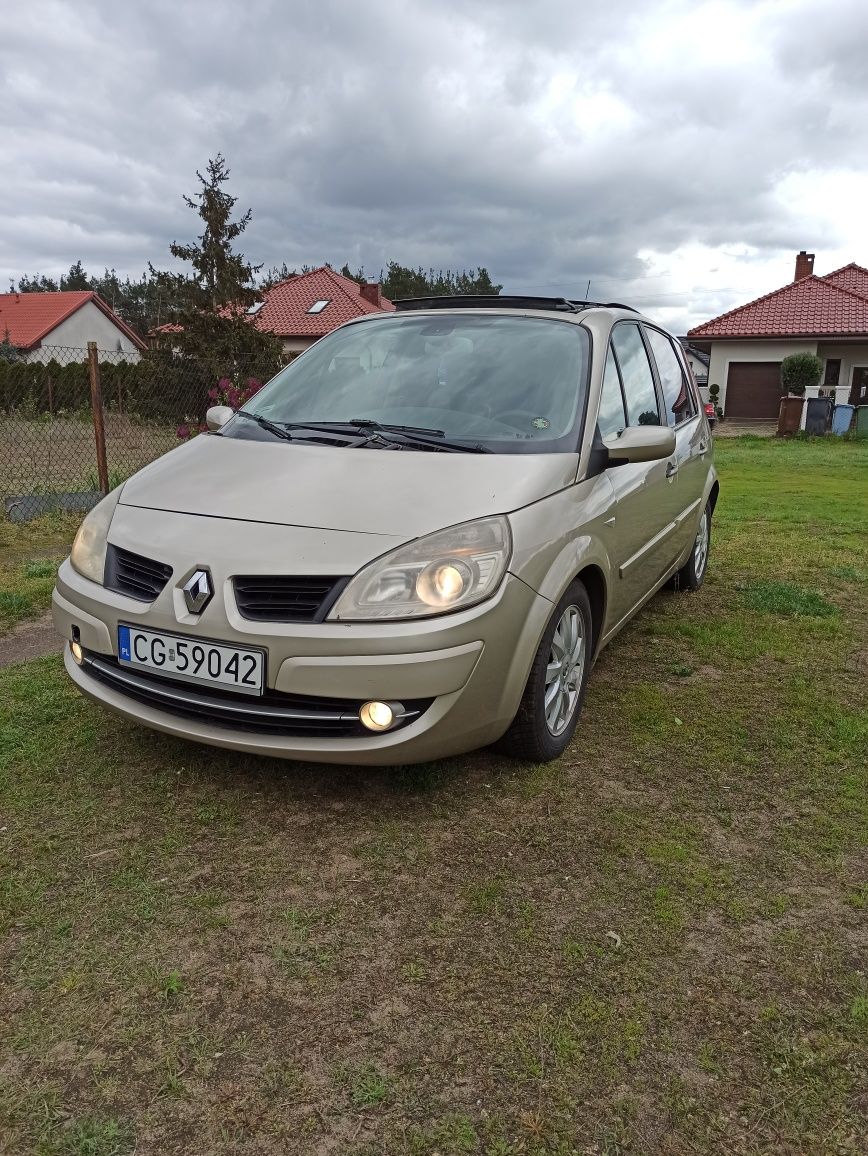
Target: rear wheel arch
x: 713, y: 495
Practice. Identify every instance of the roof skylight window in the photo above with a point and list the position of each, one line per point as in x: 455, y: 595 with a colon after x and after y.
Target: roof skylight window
x: 254, y: 308
x: 318, y: 306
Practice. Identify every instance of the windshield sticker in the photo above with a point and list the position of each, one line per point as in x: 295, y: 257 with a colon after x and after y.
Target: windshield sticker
x: 540, y: 423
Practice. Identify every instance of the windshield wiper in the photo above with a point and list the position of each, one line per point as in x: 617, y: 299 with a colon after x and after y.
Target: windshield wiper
x: 348, y: 427
x: 277, y: 430
x: 374, y: 432
x: 420, y: 436
x: 419, y: 429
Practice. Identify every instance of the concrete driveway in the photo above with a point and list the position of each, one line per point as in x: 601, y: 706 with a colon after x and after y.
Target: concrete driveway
x: 735, y: 429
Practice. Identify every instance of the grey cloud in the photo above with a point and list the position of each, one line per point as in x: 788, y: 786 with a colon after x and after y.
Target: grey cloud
x: 419, y: 132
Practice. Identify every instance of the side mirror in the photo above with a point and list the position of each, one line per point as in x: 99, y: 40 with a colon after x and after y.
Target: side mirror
x: 643, y: 443
x: 217, y: 416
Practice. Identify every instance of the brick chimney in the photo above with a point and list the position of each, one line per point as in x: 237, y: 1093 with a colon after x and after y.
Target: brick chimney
x: 370, y: 290
x: 804, y: 265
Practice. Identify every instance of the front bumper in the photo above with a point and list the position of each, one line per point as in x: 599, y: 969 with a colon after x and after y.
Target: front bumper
x: 468, y: 670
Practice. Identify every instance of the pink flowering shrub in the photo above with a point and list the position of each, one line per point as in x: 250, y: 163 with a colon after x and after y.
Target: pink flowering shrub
x: 225, y: 392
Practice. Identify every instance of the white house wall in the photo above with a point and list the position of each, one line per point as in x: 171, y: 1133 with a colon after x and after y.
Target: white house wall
x: 297, y: 344
x: 89, y: 323
x: 851, y: 356
x: 725, y: 352
x: 700, y: 369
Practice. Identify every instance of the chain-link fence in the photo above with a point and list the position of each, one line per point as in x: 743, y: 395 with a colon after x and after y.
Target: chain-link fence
x: 73, y: 421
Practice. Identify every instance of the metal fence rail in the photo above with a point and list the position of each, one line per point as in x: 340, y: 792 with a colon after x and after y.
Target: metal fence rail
x: 76, y: 422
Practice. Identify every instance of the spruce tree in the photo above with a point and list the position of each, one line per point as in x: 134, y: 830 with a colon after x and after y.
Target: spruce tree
x: 217, y: 296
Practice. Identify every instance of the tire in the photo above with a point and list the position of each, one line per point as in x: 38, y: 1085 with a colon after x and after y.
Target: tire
x: 537, y: 734
x: 692, y: 573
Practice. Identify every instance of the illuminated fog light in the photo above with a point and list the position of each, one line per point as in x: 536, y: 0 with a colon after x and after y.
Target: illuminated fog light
x: 376, y: 716
x: 77, y: 652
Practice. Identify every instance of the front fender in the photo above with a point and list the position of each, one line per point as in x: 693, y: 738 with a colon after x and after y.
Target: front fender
x: 559, y: 536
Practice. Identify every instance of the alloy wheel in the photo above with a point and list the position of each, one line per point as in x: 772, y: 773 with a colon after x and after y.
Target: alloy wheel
x: 564, y: 672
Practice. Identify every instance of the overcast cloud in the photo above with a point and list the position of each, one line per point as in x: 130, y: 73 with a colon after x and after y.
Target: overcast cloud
x: 677, y: 154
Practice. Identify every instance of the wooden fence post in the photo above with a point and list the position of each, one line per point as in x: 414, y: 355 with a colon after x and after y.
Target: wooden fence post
x: 97, y: 413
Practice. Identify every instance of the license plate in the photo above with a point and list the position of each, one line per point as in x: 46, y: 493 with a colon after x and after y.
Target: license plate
x: 192, y: 659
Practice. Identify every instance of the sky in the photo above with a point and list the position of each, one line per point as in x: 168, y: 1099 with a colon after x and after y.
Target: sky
x: 675, y: 154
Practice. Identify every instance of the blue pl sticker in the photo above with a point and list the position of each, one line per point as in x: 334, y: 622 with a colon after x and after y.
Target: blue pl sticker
x: 124, y: 644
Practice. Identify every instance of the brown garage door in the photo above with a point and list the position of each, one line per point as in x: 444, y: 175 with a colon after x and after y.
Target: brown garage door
x: 753, y: 390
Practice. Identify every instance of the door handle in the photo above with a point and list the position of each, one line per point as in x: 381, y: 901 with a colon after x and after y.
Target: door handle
x: 671, y: 469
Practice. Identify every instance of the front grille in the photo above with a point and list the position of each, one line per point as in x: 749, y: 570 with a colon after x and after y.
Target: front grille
x: 303, y: 716
x: 134, y: 575
x: 281, y: 598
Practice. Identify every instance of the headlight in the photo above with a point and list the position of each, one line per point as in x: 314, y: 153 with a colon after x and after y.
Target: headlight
x: 449, y: 570
x: 89, y: 548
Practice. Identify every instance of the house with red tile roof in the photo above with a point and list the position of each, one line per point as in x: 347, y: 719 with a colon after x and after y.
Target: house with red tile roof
x: 307, y: 306
x: 35, y: 323
x: 827, y: 316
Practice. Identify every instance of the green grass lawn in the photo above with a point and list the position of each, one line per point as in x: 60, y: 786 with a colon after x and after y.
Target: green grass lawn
x: 655, y: 945
x: 47, y: 455
x: 29, y: 557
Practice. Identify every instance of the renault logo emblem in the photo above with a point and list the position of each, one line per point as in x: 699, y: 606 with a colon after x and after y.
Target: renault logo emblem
x: 198, y: 591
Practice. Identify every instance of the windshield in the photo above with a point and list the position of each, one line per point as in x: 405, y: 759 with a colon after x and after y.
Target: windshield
x: 510, y: 384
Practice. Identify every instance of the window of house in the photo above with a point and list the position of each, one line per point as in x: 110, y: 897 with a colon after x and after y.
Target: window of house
x: 673, y: 380
x: 318, y: 306
x: 833, y: 371
x: 636, y: 376
x: 612, y: 419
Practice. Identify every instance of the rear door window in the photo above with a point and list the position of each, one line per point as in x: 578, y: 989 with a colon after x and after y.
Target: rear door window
x: 640, y: 392
x: 677, y: 395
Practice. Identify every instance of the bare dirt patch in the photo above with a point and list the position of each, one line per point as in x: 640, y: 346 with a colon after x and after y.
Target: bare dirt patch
x: 29, y: 640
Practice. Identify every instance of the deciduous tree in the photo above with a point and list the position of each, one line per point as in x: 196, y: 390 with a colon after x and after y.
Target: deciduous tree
x: 401, y: 281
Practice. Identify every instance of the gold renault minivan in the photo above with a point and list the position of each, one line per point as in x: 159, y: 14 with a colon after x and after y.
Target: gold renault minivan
x: 413, y: 541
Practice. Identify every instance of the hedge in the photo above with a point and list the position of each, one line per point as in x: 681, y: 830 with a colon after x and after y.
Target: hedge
x: 157, y: 387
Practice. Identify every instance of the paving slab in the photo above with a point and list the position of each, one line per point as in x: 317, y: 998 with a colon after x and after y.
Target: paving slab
x: 736, y: 429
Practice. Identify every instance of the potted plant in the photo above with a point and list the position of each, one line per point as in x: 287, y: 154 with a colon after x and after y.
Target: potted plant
x: 799, y: 372
x: 714, y: 398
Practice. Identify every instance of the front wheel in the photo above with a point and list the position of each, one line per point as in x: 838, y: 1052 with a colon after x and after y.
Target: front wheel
x: 552, y: 700
x: 692, y: 573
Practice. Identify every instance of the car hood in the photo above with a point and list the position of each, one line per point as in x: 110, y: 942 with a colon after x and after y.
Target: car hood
x: 401, y: 493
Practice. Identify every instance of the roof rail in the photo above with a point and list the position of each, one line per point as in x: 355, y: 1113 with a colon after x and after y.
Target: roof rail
x: 504, y: 301
x: 601, y: 305
x: 486, y: 301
